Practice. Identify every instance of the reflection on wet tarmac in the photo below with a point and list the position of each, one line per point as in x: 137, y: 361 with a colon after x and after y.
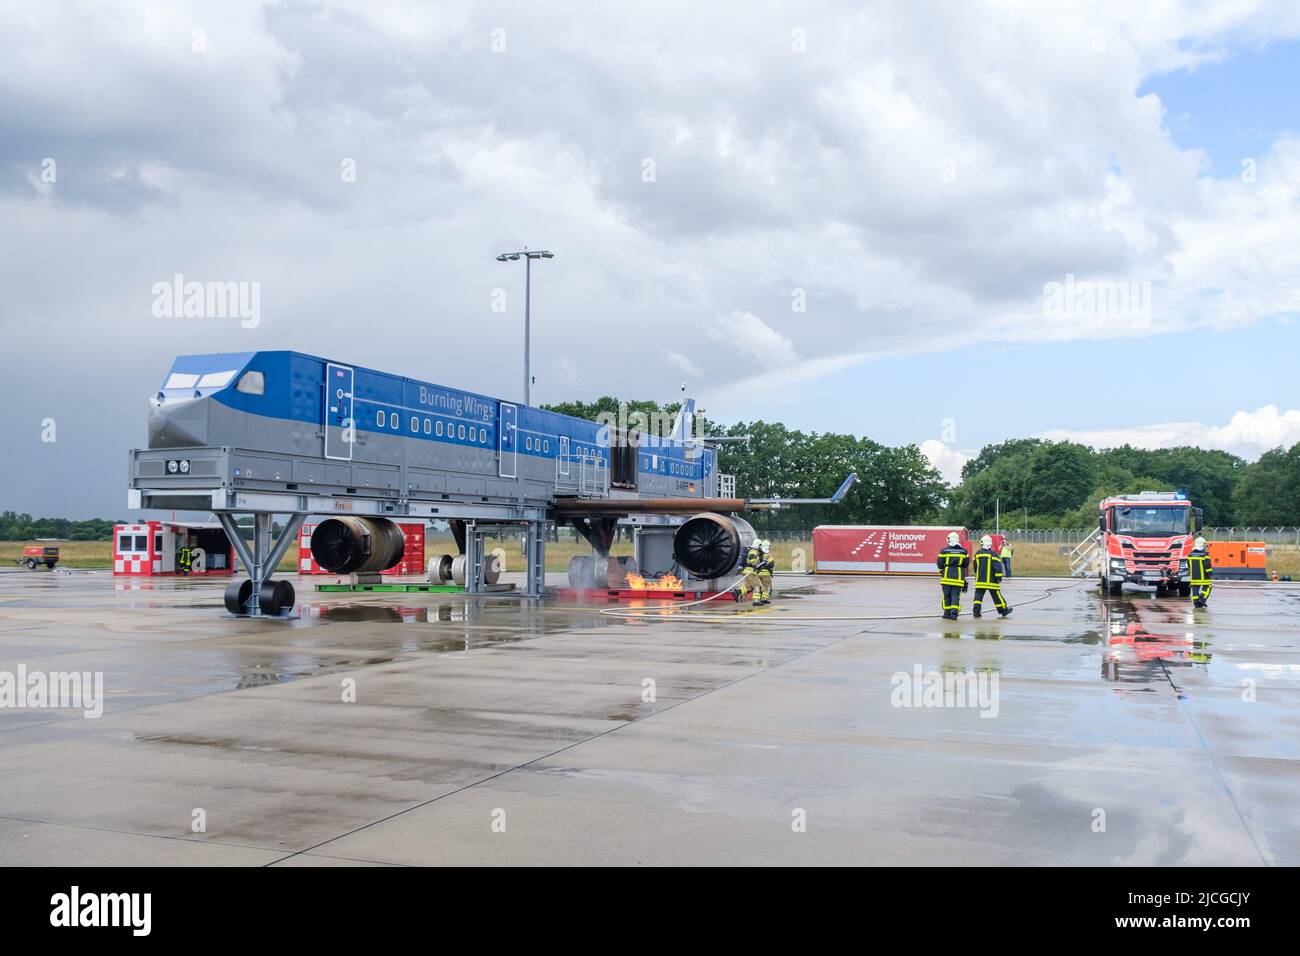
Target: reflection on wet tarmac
x: 1144, y: 640
x: 1142, y: 650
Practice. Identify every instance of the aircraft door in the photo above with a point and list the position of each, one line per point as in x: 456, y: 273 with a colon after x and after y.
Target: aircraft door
x: 340, y: 429
x: 508, y: 440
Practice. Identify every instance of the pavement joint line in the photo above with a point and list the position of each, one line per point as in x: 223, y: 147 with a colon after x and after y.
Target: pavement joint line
x: 577, y: 743
x: 347, y: 859
x: 1181, y: 700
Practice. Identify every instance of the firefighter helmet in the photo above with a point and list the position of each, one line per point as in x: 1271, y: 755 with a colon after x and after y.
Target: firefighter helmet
x: 953, y: 538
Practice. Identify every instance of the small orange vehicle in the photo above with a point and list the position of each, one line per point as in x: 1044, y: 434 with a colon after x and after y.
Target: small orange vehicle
x: 35, y: 554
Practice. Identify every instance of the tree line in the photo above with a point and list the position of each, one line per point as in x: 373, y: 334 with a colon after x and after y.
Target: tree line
x: 1032, y: 482
x: 23, y: 527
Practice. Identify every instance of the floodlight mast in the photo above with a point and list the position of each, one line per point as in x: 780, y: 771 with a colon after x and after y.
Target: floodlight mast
x: 528, y: 255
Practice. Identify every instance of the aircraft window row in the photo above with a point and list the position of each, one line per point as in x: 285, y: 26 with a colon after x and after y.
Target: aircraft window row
x: 652, y: 463
x: 479, y: 435
x: 584, y: 452
x: 537, y: 444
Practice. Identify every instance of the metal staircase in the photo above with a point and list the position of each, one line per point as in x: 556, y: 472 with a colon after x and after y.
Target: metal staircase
x: 1083, y: 558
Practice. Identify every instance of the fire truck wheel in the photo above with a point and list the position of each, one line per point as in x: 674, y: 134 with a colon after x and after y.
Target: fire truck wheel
x: 50, y: 565
x: 1115, y: 588
x: 276, y: 597
x: 237, y: 595
x: 1184, y: 590
x: 31, y: 564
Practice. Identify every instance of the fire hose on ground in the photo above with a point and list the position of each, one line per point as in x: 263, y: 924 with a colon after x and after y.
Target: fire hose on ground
x: 656, y: 613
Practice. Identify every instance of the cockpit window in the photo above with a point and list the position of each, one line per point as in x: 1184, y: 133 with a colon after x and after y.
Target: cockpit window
x: 181, y: 380
x: 251, y: 383
x: 216, y: 379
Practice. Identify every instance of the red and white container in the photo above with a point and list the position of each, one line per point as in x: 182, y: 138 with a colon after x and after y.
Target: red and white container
x: 150, y: 548
x: 881, y: 549
x: 412, y: 555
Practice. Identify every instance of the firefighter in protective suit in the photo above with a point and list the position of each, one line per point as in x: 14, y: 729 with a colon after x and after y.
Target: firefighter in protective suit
x: 989, y: 572
x: 757, y: 572
x: 953, y: 562
x: 1198, y: 563
x: 765, y: 568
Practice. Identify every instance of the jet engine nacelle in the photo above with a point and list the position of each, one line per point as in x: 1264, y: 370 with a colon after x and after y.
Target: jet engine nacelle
x: 354, y: 545
x: 712, y: 545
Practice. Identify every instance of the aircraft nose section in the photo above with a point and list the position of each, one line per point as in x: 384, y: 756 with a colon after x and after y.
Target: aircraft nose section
x: 178, y: 424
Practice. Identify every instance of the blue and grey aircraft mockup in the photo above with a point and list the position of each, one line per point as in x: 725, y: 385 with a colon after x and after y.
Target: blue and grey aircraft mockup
x: 277, y: 432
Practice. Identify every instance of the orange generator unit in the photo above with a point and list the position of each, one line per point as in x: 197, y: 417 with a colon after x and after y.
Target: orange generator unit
x: 1238, y: 560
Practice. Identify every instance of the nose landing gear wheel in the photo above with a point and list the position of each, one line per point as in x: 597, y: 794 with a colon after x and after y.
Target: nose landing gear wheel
x: 237, y: 595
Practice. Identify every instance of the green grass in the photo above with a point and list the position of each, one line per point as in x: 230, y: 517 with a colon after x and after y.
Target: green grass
x: 1031, y: 560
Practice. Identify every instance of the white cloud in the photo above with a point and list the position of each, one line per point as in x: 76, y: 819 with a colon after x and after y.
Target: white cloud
x: 948, y: 461
x: 754, y: 339
x: 679, y: 361
x: 1248, y: 434
x: 920, y: 171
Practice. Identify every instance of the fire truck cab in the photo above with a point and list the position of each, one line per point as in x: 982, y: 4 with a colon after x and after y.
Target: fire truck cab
x: 1145, y: 540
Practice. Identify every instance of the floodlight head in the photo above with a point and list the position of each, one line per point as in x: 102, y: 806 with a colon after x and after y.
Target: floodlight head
x: 508, y: 257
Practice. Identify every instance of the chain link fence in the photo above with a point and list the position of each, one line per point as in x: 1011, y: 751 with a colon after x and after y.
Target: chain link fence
x: 1274, y: 536
x: 1278, y: 537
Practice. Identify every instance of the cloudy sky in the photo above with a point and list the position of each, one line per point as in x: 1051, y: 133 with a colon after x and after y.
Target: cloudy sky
x: 932, y: 222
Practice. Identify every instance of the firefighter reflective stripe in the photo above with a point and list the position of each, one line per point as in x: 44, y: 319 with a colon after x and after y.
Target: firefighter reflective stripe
x: 999, y: 601
x: 951, y: 566
x: 988, y: 570
x: 752, y: 558
x: 1199, y: 565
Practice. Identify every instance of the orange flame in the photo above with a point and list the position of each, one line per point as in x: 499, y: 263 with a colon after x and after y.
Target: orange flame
x: 665, y: 582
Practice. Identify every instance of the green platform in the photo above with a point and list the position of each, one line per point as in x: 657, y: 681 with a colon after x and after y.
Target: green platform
x: 422, y: 588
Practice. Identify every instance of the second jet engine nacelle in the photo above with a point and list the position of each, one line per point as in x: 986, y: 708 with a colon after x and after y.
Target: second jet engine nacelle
x: 352, y: 545
x: 712, y: 545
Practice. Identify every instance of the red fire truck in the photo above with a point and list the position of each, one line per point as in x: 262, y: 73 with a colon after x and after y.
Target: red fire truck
x: 1145, y: 540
